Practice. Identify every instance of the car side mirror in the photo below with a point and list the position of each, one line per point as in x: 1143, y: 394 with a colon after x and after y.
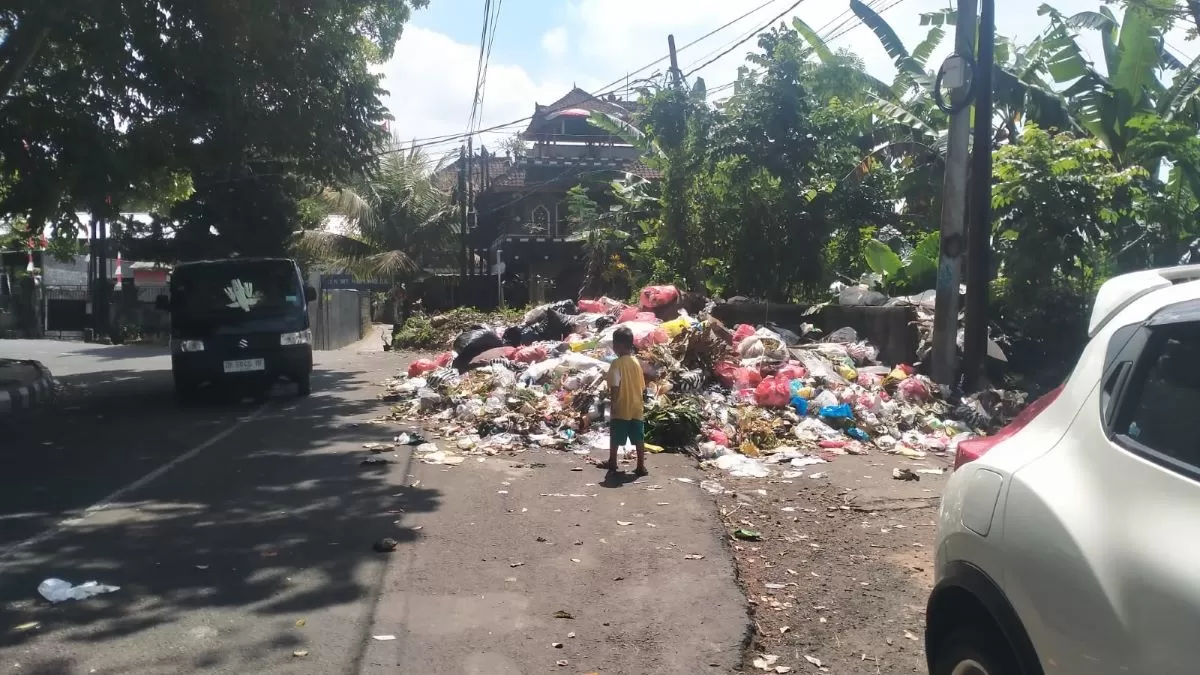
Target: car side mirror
x: 310, y: 294
x: 162, y: 302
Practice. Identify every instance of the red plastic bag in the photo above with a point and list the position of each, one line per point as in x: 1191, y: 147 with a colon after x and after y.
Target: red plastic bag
x: 792, y: 371
x: 628, y: 314
x: 772, y: 393
x: 734, y: 377
x: 420, y: 367
x: 717, y: 436
x: 444, y: 359
x: 530, y: 354
x: 648, y: 317
x: 741, y: 332
x: 657, y: 296
x: 655, y: 337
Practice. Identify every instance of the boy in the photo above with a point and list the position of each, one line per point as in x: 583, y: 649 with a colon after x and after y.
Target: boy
x: 626, y: 385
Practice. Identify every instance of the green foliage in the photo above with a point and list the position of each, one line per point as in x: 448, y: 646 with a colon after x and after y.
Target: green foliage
x: 396, y: 220
x: 418, y: 333
x: 198, y: 112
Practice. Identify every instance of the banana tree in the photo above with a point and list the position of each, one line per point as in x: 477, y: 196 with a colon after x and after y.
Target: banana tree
x: 396, y: 218
x: 1134, y: 51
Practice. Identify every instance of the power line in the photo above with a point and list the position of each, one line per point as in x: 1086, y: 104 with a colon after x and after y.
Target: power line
x: 878, y: 11
x: 744, y: 40
x: 607, y: 89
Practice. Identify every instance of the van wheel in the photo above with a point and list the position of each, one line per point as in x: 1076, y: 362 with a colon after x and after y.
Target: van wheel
x: 974, y: 651
x: 304, y: 384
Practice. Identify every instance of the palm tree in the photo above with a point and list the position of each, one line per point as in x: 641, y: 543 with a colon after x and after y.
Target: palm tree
x: 396, y: 220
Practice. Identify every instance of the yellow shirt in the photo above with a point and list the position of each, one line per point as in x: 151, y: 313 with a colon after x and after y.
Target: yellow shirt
x: 626, y: 373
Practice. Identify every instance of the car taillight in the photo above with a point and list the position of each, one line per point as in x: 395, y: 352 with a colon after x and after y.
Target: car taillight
x: 974, y: 448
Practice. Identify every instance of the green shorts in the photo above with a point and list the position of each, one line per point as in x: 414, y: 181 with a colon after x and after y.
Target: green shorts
x: 619, y: 430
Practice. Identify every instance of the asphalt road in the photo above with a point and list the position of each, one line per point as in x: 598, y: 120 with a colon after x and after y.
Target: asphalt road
x: 240, y: 534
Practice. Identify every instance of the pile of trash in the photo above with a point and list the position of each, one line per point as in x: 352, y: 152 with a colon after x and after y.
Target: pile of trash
x: 753, y: 401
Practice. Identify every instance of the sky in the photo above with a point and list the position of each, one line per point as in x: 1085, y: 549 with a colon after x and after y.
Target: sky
x: 544, y: 47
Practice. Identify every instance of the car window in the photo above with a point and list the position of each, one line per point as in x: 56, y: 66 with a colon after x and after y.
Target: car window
x: 1163, y: 418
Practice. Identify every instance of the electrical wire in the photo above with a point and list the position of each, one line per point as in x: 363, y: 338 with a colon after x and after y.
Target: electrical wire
x: 743, y: 41
x: 610, y: 88
x: 859, y: 24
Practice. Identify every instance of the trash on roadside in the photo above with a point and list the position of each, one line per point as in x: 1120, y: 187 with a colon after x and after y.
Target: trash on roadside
x: 747, y: 535
x: 563, y: 614
x: 384, y: 638
x: 385, y: 545
x: 300, y: 653
x: 750, y: 401
x: 765, y: 662
x: 905, y: 474
x: 57, y: 590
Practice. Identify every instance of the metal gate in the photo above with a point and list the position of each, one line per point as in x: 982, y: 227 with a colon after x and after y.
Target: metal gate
x: 66, y: 312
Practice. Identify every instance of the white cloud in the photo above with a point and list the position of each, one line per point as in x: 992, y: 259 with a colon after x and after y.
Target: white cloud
x: 431, y: 80
x: 555, y: 42
x: 429, y: 100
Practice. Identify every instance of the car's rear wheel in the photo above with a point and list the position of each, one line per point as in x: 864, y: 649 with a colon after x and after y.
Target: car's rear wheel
x: 974, y: 651
x: 304, y: 384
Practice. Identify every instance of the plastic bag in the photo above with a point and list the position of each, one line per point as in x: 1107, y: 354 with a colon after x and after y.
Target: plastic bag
x: 57, y: 590
x: 741, y: 332
x: 592, y: 306
x: 676, y: 326
x: 443, y: 359
x: 735, y: 377
x: 915, y: 389
x: 657, y: 296
x: 472, y: 343
x: 772, y: 393
x: 792, y: 371
x: 530, y: 354
x: 420, y: 367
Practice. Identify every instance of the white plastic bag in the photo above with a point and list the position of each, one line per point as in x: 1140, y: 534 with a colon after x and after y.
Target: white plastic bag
x: 57, y: 590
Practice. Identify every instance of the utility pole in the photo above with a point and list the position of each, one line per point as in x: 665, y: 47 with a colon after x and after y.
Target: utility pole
x: 953, y: 74
x: 470, y: 203
x: 676, y: 76
x: 979, y: 235
x: 462, y: 198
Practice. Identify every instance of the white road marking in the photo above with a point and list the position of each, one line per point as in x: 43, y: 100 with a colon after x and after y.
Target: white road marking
x: 109, y: 501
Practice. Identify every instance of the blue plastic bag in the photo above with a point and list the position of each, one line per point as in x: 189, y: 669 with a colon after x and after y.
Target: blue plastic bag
x: 801, y: 405
x: 839, y: 411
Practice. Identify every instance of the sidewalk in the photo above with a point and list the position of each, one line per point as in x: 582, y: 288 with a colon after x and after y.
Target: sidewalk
x: 24, y: 384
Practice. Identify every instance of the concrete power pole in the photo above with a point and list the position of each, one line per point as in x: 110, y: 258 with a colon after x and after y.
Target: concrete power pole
x: 676, y: 76
x: 953, y: 75
x: 462, y: 200
x: 979, y: 237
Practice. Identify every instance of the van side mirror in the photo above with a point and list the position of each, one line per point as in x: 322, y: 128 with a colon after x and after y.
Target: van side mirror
x: 162, y: 302
x: 310, y: 294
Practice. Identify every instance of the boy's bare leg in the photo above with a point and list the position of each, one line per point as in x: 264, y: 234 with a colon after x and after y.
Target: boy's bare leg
x: 611, y: 465
x: 641, y: 460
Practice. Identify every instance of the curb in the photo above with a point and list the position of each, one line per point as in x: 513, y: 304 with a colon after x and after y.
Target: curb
x: 21, y: 397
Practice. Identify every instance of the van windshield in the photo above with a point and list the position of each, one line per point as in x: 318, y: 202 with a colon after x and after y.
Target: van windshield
x: 236, y: 289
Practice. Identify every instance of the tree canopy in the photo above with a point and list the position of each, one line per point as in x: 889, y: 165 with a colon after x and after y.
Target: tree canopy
x: 211, y: 114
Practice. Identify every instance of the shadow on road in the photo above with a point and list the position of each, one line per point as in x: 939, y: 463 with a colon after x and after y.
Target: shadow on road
x: 276, y: 518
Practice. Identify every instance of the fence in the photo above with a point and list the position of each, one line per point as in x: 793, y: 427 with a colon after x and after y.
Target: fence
x: 339, y: 318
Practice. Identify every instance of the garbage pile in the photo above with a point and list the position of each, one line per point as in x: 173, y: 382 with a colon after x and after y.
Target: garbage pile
x: 753, y: 401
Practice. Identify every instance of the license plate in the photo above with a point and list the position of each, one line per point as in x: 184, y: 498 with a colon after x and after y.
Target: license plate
x: 245, y: 365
